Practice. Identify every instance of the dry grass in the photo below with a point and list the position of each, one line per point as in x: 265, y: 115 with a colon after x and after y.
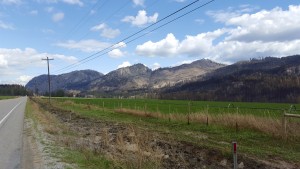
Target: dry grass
x: 237, y: 121
x: 49, y: 122
x: 127, y: 145
x: 138, y: 147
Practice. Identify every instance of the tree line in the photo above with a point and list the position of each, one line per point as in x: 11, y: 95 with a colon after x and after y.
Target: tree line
x: 256, y: 87
x: 13, y: 90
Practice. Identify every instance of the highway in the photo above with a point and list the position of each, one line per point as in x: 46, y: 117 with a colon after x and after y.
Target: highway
x: 11, y: 132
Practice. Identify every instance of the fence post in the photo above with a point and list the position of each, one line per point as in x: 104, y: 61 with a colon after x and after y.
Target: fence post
x: 188, y: 117
x: 103, y: 106
x: 284, y: 125
x: 284, y: 122
x: 234, y: 151
x: 169, y: 113
x: 207, y: 120
x: 207, y: 109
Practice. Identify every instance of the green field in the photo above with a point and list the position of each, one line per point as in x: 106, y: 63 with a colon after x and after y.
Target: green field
x: 184, y: 107
x: 6, y: 97
x: 256, y: 126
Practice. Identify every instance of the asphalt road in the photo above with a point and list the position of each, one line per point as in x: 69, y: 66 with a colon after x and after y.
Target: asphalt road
x: 11, y: 131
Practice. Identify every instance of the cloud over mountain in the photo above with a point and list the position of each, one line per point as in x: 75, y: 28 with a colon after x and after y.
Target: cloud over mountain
x: 243, y: 36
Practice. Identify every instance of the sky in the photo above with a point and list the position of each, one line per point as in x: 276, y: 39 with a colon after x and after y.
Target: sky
x: 105, y: 35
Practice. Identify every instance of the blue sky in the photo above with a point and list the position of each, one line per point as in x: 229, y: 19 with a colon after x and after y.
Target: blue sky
x: 225, y: 31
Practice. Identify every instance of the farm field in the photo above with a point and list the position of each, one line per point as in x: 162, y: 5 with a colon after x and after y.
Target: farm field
x: 6, y: 97
x: 208, y: 126
x: 183, y: 107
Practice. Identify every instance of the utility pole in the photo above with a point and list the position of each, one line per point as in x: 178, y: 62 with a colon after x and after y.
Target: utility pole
x: 49, y: 88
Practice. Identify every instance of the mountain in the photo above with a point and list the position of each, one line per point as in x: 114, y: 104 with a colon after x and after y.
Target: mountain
x: 166, y: 77
x: 132, y: 80
x: 140, y: 79
x: 76, y: 81
x: 126, y: 79
x: 267, y: 79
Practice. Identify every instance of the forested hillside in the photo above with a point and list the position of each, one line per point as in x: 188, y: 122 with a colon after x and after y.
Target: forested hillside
x: 266, y: 80
x: 12, y: 90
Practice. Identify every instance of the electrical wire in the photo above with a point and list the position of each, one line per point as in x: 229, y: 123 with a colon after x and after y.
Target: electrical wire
x: 83, y: 20
x: 110, y: 16
x: 99, y: 53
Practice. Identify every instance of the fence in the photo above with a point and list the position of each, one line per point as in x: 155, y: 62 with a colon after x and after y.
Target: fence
x: 286, y: 116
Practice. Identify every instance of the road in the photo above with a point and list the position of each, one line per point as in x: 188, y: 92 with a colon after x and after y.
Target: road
x: 11, y: 131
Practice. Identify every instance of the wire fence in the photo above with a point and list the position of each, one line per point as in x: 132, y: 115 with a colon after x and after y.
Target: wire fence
x: 184, y: 107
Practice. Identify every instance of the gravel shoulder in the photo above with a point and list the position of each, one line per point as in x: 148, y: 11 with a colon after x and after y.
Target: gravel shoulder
x: 31, y: 158
x: 38, y: 147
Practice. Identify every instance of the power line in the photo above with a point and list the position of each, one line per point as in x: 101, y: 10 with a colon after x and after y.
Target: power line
x: 86, y: 17
x: 98, y: 54
x: 83, y: 20
x: 110, y: 16
x: 49, y: 88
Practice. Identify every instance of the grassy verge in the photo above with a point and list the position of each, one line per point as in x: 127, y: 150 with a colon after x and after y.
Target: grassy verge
x: 49, y: 130
x: 251, y: 141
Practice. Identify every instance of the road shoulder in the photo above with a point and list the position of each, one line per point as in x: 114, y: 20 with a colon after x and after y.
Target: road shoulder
x: 31, y: 158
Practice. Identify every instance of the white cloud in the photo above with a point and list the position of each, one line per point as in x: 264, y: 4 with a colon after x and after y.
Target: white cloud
x: 15, y: 62
x: 28, y: 55
x: 106, y: 31
x: 3, y: 62
x: 11, y: 2
x: 199, y: 44
x: 185, y: 62
x: 233, y: 51
x: 166, y: 47
x: 58, y: 16
x: 224, y: 15
x: 273, y: 25
x: 265, y: 33
x: 124, y: 64
x: 73, y: 2
x: 48, y: 31
x: 24, y: 79
x: 70, y: 2
x: 49, y: 9
x: 33, y: 12
x: 180, y: 0
x: 141, y: 19
x: 4, y: 25
x: 120, y: 45
x: 68, y: 59
x: 138, y: 2
x: 155, y: 66
x: 92, y: 12
x: 89, y: 45
x: 225, y: 51
x: 200, y: 21
x: 116, y: 53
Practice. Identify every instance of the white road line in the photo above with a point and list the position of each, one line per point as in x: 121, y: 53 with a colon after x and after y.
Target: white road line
x: 4, y: 119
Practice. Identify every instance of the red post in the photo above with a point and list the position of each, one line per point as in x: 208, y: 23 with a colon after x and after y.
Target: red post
x: 234, y: 149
